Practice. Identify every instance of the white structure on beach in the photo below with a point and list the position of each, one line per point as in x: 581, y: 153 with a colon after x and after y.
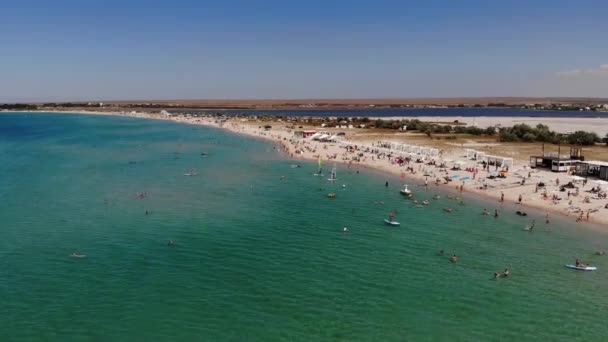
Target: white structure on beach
x: 410, y: 149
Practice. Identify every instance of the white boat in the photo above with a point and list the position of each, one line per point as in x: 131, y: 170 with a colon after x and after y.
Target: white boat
x: 320, y: 170
x: 392, y: 223
x: 333, y: 178
x: 405, y: 190
x: 582, y: 268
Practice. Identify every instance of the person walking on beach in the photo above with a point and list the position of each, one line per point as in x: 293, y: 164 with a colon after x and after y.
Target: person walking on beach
x: 502, y: 196
x: 520, y: 198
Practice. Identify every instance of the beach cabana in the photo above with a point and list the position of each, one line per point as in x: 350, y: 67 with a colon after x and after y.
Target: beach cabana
x: 577, y: 178
x: 470, y: 153
x: 458, y: 164
x: 507, y: 162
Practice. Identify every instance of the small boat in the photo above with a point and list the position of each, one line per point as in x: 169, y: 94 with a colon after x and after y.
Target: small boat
x: 333, y: 178
x: 405, y: 191
x: 582, y: 268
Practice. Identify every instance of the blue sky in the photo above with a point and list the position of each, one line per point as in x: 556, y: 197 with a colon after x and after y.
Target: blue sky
x: 103, y: 50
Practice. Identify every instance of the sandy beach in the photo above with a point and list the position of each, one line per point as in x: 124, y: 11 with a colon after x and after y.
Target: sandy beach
x: 580, y: 206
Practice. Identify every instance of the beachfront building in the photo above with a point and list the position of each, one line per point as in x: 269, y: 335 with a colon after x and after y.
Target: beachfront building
x: 409, y: 149
x: 557, y: 162
x: 593, y: 168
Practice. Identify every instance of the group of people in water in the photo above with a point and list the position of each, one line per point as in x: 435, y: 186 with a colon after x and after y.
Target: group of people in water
x: 503, y: 274
x: 453, y: 257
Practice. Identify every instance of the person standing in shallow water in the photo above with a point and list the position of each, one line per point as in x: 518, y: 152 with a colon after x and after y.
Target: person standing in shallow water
x: 502, y: 196
x: 386, y: 184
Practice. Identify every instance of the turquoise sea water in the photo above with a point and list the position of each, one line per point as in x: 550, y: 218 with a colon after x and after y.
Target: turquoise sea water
x: 257, y: 258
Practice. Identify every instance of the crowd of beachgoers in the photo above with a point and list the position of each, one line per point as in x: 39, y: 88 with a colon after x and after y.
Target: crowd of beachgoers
x: 580, y: 199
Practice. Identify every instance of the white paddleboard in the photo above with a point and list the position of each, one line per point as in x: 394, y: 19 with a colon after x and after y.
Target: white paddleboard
x: 586, y: 268
x: 392, y: 223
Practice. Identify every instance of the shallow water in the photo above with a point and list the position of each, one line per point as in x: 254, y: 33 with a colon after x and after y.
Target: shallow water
x: 257, y: 257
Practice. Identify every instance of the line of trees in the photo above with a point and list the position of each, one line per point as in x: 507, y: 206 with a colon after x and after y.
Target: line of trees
x: 516, y: 133
x: 18, y: 106
x: 542, y: 133
x: 427, y: 127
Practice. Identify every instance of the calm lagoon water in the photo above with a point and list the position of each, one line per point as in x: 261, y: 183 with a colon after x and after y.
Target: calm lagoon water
x: 257, y: 258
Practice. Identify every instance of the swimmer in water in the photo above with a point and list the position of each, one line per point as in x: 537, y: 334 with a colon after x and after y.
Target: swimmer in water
x: 485, y: 212
x: 344, y: 229
x: 506, y: 272
x: 171, y: 243
x: 440, y: 252
x: 453, y: 258
x: 495, y: 212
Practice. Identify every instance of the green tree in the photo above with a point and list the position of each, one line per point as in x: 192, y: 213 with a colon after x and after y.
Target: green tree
x: 583, y: 138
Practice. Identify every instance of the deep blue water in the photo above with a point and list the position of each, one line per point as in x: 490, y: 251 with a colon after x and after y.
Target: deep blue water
x: 410, y: 112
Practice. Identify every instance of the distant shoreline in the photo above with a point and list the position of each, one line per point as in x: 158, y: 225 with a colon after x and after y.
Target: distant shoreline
x: 560, y: 124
